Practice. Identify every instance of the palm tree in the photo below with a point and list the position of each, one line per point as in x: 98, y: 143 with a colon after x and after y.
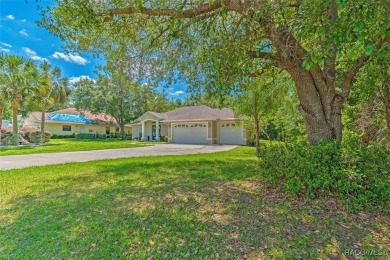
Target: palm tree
x: 17, y: 83
x: 52, y: 89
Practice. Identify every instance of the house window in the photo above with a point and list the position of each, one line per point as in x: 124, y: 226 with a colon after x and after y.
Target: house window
x: 107, y: 130
x: 66, y: 128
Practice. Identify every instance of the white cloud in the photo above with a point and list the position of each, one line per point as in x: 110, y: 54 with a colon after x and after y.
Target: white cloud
x: 10, y: 17
x: 176, y: 93
x: 4, y: 49
x: 23, y: 21
x: 73, y: 58
x: 24, y: 32
x: 6, y: 44
x: 33, y: 55
x: 73, y: 80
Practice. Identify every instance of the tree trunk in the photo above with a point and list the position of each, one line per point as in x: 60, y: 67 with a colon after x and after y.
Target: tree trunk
x: 321, y: 111
x: 122, y: 132
x: 257, y: 134
x: 42, y: 139
x: 15, y: 110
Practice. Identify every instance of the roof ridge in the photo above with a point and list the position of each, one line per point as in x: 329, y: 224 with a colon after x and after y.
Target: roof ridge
x: 201, y: 107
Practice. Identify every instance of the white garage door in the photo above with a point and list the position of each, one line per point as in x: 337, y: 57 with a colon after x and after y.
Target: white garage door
x: 190, y: 133
x: 230, y: 133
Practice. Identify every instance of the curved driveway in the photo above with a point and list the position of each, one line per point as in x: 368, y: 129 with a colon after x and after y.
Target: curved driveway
x: 22, y: 161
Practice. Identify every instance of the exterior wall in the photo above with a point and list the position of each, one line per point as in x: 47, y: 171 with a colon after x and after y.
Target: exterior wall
x: 148, y: 130
x: 56, y: 128
x: 127, y: 129
x: 169, y: 132
x: 136, y: 132
x: 30, y: 120
x: 164, y: 129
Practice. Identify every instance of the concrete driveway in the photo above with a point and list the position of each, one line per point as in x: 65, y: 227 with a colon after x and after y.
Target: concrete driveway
x: 22, y: 161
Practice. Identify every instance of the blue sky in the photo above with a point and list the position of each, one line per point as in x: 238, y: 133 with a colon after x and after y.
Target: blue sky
x: 20, y: 35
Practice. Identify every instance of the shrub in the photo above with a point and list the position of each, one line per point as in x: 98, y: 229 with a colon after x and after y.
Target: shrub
x: 54, y: 136
x: 35, y: 137
x: 73, y: 135
x: 165, y: 138
x: 129, y: 137
x: 102, y: 136
x: 85, y: 136
x: 251, y: 142
x: 60, y: 136
x: 357, y: 175
x: 5, y: 134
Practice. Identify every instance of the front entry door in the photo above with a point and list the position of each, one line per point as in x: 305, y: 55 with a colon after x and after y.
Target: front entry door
x: 153, y: 132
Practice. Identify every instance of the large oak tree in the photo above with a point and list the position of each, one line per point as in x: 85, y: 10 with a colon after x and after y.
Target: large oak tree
x: 322, y: 44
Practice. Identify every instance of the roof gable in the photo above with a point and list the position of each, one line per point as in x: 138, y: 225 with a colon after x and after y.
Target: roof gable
x: 152, y: 116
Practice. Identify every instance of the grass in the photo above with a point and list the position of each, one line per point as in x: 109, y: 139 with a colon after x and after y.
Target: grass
x: 202, y: 206
x: 70, y: 145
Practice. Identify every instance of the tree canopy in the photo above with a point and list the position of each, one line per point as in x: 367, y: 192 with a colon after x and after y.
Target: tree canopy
x: 116, y: 94
x: 216, y: 44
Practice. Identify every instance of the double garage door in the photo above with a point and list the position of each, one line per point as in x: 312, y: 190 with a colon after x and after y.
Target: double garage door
x: 230, y: 133
x: 190, y: 133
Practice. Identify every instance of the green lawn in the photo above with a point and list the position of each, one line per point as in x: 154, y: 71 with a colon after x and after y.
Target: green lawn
x: 193, y: 206
x: 71, y: 145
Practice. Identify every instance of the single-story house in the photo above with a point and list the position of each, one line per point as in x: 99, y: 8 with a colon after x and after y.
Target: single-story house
x: 71, y: 121
x: 191, y: 125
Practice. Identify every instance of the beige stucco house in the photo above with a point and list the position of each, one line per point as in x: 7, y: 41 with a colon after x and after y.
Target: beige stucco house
x: 191, y: 125
x: 62, y: 122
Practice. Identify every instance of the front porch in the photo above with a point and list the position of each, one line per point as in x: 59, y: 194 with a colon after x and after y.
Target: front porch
x: 149, y: 130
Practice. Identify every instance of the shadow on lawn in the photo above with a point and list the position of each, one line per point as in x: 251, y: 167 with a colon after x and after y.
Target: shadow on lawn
x: 187, y: 208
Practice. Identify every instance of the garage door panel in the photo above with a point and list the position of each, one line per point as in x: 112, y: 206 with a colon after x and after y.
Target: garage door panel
x: 190, y: 133
x: 230, y: 133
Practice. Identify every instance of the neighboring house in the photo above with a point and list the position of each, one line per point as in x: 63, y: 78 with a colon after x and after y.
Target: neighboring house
x: 70, y: 120
x: 191, y: 125
x: 5, y: 123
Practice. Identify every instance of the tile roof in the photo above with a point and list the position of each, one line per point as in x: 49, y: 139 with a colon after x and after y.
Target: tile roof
x: 100, y: 119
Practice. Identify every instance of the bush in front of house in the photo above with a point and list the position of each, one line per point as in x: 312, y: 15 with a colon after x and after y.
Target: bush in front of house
x: 102, y: 136
x: 35, y: 137
x: 165, y: 138
x: 60, y: 136
x: 85, y: 136
x: 354, y: 174
x: 54, y: 136
x: 129, y: 137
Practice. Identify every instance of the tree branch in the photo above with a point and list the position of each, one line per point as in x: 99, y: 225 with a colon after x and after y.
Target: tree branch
x: 262, y: 55
x: 349, y: 76
x: 202, y: 9
x: 330, y: 61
